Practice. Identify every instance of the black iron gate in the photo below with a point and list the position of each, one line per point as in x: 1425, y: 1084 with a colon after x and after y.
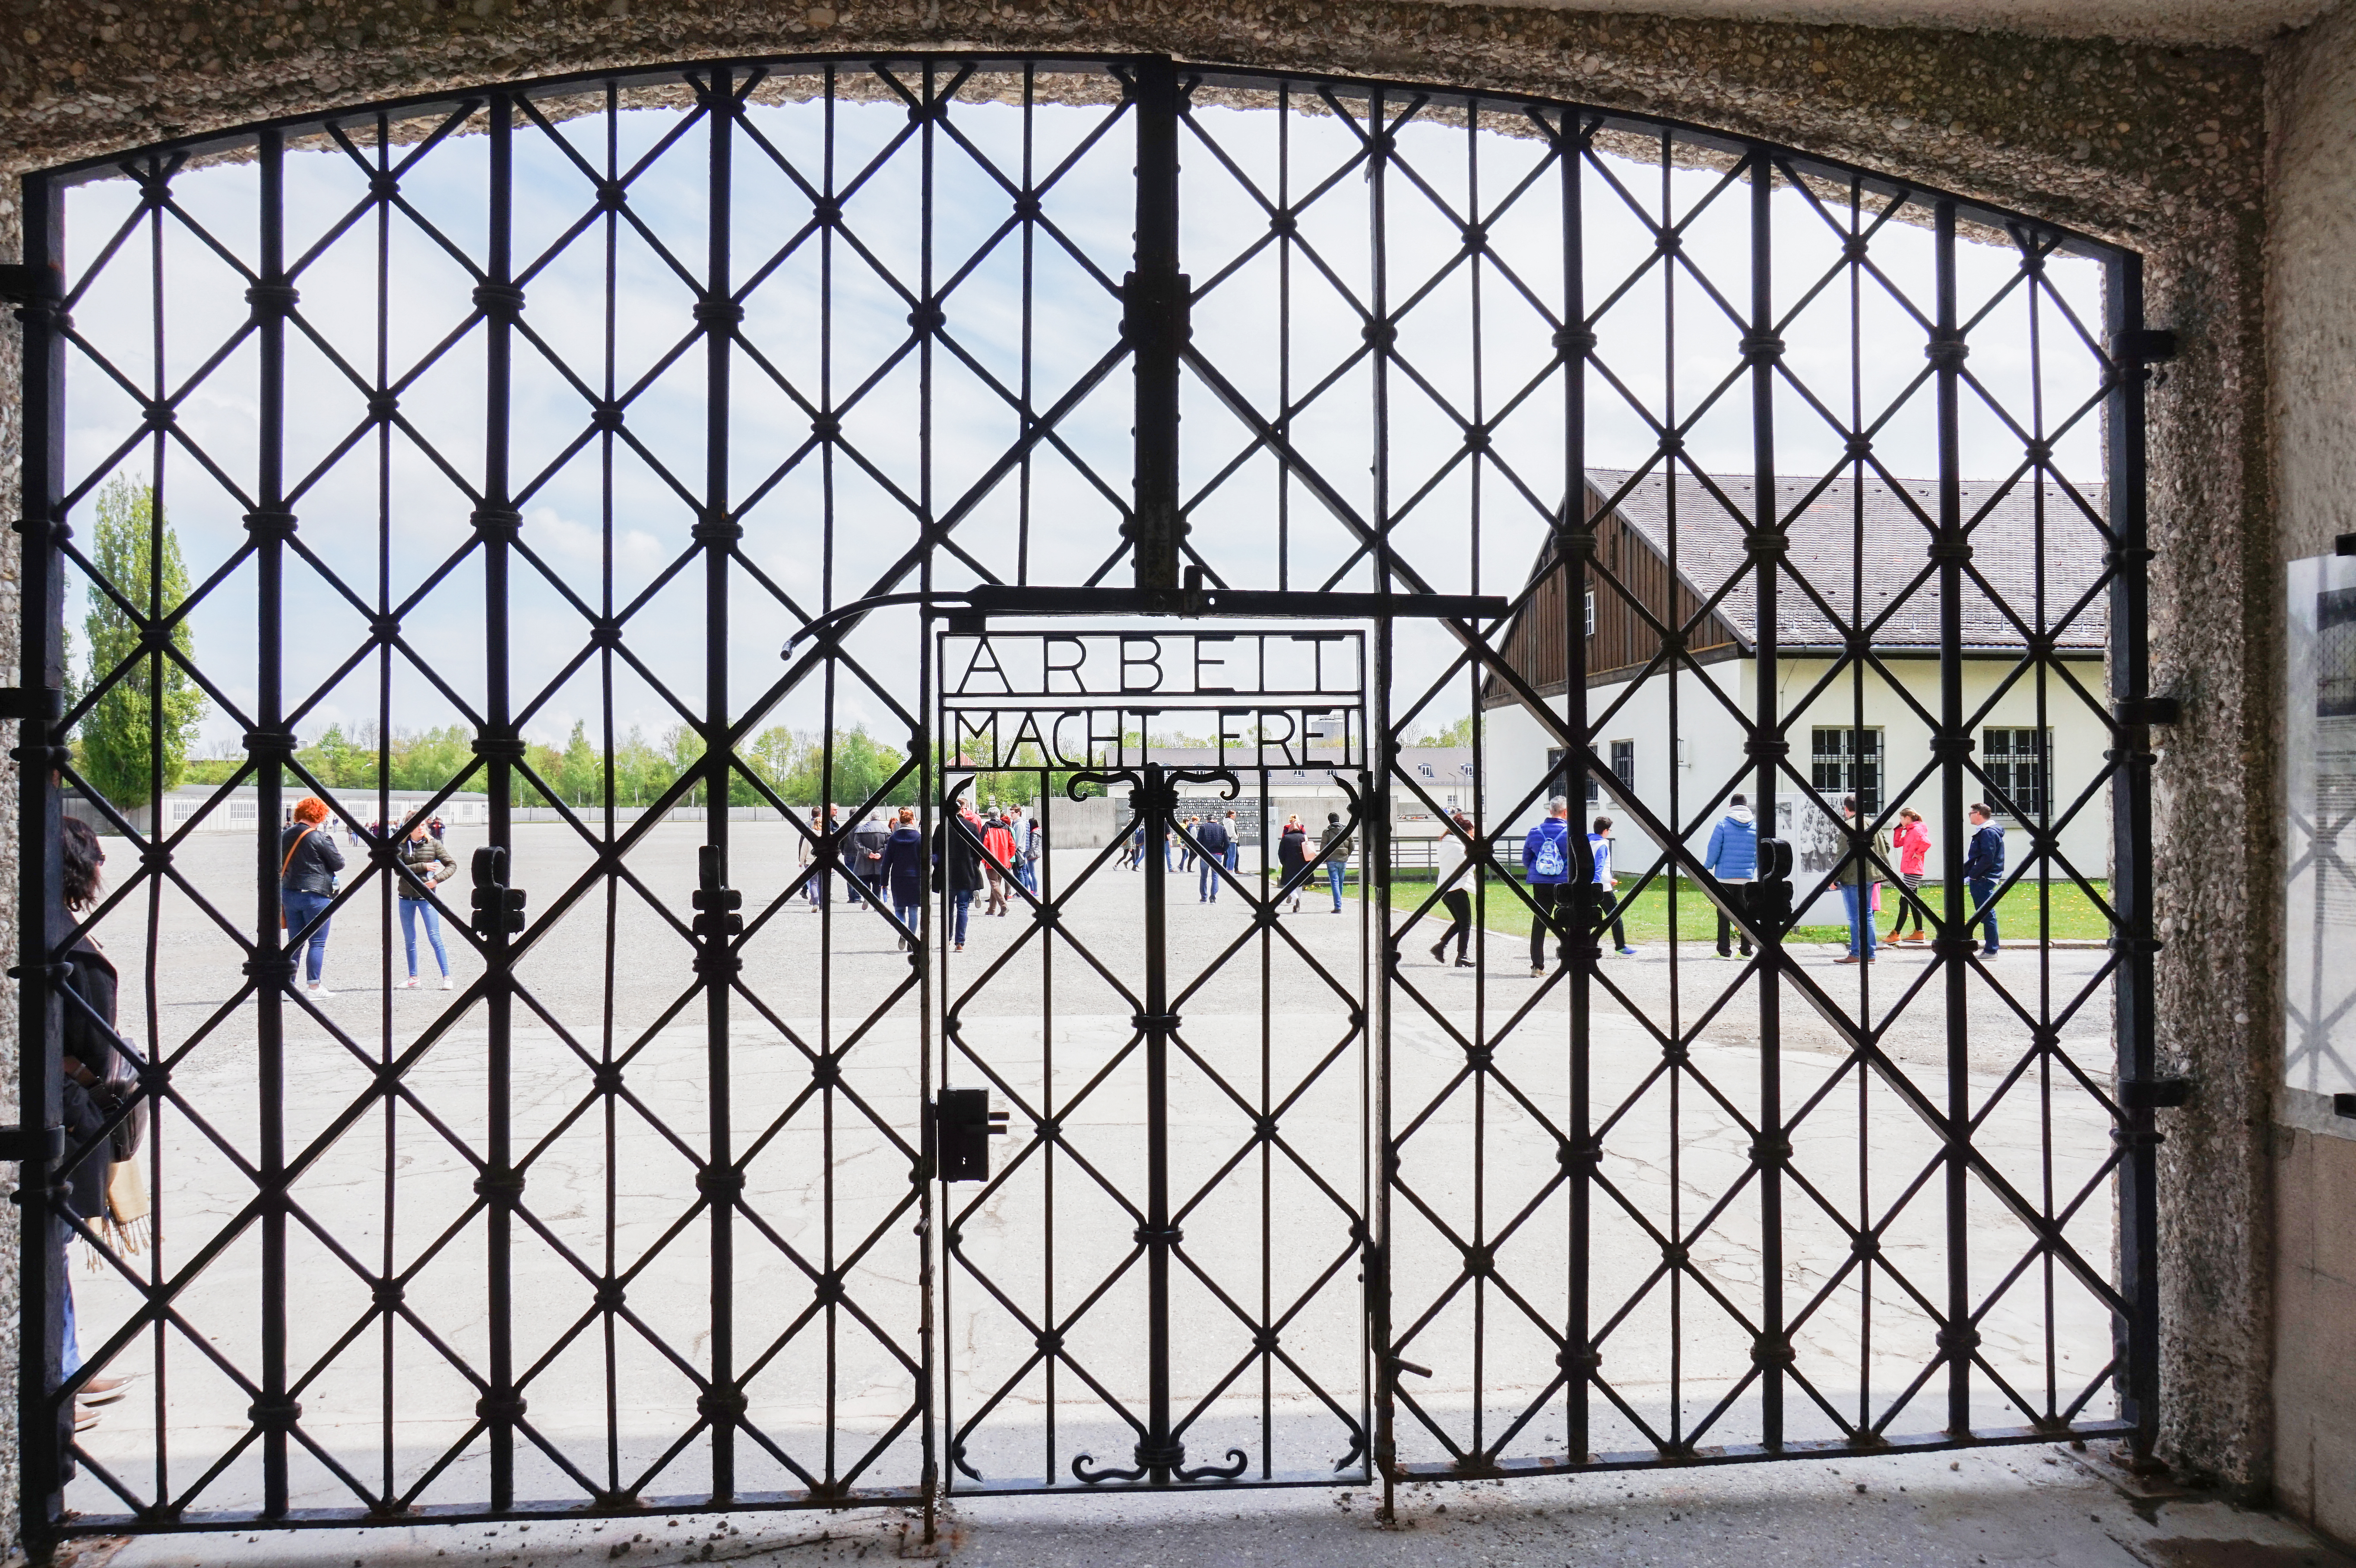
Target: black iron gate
x: 560, y: 403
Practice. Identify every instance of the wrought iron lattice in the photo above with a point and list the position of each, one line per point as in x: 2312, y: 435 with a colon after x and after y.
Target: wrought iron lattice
x: 1641, y: 451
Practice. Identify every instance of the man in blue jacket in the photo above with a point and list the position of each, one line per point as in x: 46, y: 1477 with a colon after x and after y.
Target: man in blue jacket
x: 1733, y: 860
x: 1546, y: 860
x: 1983, y: 864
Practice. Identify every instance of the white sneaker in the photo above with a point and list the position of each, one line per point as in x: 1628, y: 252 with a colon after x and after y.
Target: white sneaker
x: 448, y: 983
x: 408, y: 985
x: 320, y: 991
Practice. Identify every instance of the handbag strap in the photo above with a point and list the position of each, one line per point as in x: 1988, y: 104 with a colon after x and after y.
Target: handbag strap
x: 283, y: 865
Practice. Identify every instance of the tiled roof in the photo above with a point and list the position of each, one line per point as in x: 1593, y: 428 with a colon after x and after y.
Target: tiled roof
x: 1824, y: 541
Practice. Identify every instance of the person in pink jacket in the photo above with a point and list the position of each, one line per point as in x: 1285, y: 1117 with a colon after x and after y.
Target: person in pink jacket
x: 1912, y: 842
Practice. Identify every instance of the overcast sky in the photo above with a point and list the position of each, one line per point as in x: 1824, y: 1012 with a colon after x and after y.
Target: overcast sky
x: 385, y: 508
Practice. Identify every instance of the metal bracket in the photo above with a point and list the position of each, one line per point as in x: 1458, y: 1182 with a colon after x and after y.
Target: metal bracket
x: 2150, y: 711
x: 963, y: 1123
x: 2145, y: 345
x: 22, y: 284
x: 2344, y: 1106
x: 33, y: 704
x: 44, y: 1145
x: 2155, y: 1094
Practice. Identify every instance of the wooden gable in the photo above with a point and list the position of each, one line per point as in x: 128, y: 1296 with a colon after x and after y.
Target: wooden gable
x: 1623, y: 642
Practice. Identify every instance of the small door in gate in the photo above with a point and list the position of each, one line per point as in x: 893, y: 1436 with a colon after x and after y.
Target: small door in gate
x: 1159, y: 1280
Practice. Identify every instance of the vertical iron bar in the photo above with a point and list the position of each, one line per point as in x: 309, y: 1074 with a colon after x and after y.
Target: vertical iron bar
x: 1946, y: 348
x: 44, y: 1430
x: 2131, y: 859
x: 1154, y: 299
x: 270, y: 1047
x: 726, y: 1404
x: 1574, y: 548
x: 1158, y: 1454
x: 501, y: 1407
x: 1767, y: 520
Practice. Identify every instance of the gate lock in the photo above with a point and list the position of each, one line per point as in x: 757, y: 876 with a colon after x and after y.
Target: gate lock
x: 498, y: 907
x: 963, y: 1123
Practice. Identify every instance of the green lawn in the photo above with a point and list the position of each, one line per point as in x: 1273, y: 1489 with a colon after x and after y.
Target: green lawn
x: 2074, y: 914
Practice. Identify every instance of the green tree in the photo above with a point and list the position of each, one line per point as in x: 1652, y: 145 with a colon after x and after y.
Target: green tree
x: 581, y: 774
x: 124, y: 753
x: 1457, y: 735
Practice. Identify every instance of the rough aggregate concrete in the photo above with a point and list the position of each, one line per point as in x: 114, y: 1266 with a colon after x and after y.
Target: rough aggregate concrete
x: 2159, y: 148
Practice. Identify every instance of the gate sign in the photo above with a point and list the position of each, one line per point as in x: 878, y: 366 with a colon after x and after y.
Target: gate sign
x: 1093, y: 699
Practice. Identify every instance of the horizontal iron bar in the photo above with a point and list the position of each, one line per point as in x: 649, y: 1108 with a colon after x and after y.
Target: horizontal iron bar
x: 36, y: 702
x: 1753, y: 1453
x: 1254, y: 602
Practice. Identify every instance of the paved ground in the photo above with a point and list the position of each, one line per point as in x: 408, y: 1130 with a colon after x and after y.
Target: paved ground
x: 2025, y: 1508
x: 611, y: 1185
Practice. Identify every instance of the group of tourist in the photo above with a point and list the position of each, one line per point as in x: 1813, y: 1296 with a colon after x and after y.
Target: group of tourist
x: 1733, y: 861
x: 1209, y: 846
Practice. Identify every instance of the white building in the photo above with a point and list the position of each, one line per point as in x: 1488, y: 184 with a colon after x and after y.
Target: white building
x: 1672, y: 733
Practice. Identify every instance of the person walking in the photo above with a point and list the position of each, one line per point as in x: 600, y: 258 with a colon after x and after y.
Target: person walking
x: 904, y: 874
x: 1026, y: 848
x: 1546, y: 866
x: 997, y: 844
x: 1137, y: 847
x: 1292, y: 861
x: 1912, y: 842
x: 309, y: 861
x: 957, y: 869
x: 813, y: 884
x: 1335, y: 839
x: 1235, y: 844
x: 1187, y: 843
x: 1857, y: 881
x: 420, y: 854
x: 1733, y: 860
x: 1448, y: 857
x: 1983, y: 864
x: 1598, y: 848
x: 1211, y: 839
x: 867, y: 841
x: 439, y: 832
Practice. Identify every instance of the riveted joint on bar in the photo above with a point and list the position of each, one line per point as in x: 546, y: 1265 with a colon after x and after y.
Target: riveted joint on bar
x: 1167, y: 1236
x: 500, y: 1186
x: 1947, y: 350
x: 274, y: 1415
x: 507, y: 1407
x: 270, y: 525
x: 502, y: 302
x: 500, y: 525
x: 270, y: 300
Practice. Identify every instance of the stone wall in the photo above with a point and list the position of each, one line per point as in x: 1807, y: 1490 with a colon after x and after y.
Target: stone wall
x: 2311, y: 330
x: 2159, y: 148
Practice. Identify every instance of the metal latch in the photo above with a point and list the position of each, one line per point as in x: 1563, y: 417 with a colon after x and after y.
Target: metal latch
x: 45, y: 1145
x: 963, y: 1125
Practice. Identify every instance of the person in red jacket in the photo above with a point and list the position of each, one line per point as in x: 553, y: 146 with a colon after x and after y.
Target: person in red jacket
x: 997, y: 844
x: 1912, y: 842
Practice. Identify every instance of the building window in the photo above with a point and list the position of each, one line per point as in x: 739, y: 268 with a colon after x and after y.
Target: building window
x: 243, y: 810
x: 1590, y: 612
x: 1623, y: 765
x: 1846, y: 761
x: 2016, y: 762
x: 183, y: 809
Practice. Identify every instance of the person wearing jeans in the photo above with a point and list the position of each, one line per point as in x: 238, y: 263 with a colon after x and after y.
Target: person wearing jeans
x: 904, y: 873
x: 307, y: 883
x: 1448, y: 855
x: 1337, y: 838
x: 424, y: 865
x: 1983, y: 868
x: 1733, y: 860
x: 1211, y: 841
x: 1857, y: 880
x: 1912, y: 842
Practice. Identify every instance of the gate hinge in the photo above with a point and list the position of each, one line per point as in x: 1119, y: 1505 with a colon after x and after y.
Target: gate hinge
x: 2149, y: 710
x: 2145, y: 344
x: 21, y: 282
x: 32, y: 703
x: 44, y: 1145
x: 2155, y: 1094
x: 2344, y: 1106
x: 963, y: 1124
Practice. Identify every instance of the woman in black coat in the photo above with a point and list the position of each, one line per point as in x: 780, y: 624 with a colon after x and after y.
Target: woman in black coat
x: 1292, y: 858
x: 85, y: 1097
x: 904, y: 869
x: 955, y: 848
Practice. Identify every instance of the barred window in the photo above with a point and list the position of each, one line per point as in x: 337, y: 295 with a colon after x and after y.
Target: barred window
x: 2017, y: 762
x: 1623, y: 765
x: 1846, y: 761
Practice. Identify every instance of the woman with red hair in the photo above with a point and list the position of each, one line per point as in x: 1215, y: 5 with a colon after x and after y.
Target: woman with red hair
x: 309, y: 861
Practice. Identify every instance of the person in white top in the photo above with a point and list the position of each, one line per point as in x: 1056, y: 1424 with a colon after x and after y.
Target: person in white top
x: 1448, y: 855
